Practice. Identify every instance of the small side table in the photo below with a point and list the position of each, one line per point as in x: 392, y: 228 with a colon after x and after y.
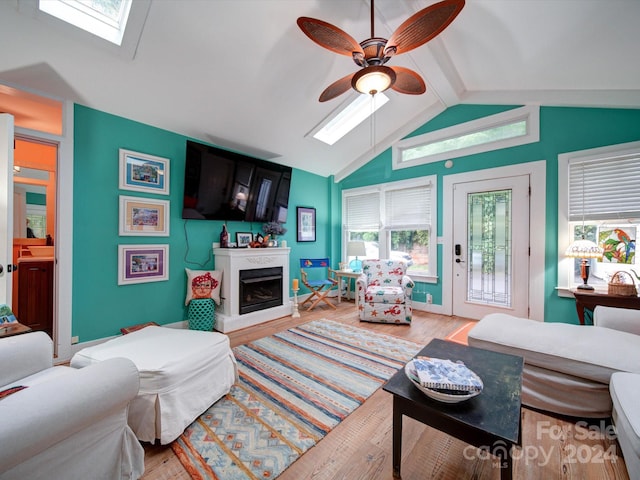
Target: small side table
x: 11, y: 329
x: 589, y: 299
x: 348, y: 274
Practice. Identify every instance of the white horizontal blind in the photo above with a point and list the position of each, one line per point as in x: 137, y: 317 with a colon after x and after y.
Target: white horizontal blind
x: 605, y: 188
x: 363, y: 212
x: 408, y: 207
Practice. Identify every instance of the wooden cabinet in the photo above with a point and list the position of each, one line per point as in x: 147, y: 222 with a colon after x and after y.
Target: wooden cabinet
x: 35, y: 294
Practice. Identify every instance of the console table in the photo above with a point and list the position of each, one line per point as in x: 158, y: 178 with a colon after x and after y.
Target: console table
x: 589, y: 299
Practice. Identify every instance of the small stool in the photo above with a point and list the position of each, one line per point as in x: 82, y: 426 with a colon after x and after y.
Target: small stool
x: 201, y: 314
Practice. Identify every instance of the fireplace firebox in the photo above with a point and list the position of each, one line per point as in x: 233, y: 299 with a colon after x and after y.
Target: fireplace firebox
x: 260, y: 288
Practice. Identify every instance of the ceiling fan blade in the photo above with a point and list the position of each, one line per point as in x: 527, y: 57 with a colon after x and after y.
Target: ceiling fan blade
x: 423, y: 26
x: 336, y: 88
x: 408, y: 81
x: 329, y: 36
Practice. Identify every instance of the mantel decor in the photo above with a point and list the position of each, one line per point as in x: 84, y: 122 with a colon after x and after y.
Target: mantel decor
x: 143, y: 173
x: 306, y: 224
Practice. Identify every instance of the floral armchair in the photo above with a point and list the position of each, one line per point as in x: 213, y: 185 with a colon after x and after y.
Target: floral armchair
x: 384, y: 292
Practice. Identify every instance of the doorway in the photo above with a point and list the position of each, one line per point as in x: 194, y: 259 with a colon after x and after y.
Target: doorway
x: 34, y: 222
x: 50, y: 120
x: 504, y: 271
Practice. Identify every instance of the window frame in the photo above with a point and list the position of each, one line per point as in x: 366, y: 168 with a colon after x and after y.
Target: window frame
x: 566, y: 265
x: 528, y: 113
x: 384, y: 228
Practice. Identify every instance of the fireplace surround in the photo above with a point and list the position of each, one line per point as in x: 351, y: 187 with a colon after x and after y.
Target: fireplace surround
x: 255, y: 286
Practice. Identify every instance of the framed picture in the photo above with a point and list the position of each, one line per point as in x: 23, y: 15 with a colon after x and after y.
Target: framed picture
x: 144, y: 173
x: 306, y: 222
x: 142, y: 263
x: 144, y: 216
x: 243, y: 239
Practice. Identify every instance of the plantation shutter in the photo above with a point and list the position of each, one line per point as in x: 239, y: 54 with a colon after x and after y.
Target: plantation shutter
x: 363, y: 212
x: 605, y: 188
x: 408, y: 208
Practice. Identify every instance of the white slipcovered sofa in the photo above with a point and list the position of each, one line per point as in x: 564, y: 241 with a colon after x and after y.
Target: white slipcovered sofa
x: 581, y: 371
x: 67, y: 424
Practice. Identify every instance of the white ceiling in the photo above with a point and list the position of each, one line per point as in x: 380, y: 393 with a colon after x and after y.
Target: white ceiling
x: 241, y: 74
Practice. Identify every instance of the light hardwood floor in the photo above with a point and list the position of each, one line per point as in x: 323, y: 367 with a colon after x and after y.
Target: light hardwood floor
x: 360, y: 446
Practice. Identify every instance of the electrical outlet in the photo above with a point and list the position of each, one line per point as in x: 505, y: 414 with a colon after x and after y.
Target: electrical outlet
x: 74, y: 340
x: 429, y: 298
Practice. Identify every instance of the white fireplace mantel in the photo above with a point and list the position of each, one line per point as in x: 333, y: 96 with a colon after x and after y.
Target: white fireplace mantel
x: 231, y: 261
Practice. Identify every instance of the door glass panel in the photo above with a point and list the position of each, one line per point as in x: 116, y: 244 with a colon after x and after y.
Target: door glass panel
x: 489, y: 248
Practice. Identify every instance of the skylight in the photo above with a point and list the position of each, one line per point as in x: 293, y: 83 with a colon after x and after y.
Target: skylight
x: 105, y: 18
x: 350, y: 117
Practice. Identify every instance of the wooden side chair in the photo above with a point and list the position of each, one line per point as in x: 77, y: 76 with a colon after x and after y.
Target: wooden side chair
x: 318, y: 277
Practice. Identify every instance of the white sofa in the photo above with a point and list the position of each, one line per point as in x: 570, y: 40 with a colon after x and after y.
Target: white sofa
x: 68, y: 423
x: 582, y: 371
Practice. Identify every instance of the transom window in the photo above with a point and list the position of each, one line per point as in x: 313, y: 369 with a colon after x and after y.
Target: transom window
x: 507, y: 129
x: 395, y: 220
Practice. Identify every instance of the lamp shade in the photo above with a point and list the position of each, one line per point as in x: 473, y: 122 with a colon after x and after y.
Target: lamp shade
x: 584, y: 249
x: 356, y: 249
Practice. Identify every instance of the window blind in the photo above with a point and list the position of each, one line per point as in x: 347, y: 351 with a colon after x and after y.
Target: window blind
x: 408, y: 207
x: 604, y: 188
x: 363, y: 212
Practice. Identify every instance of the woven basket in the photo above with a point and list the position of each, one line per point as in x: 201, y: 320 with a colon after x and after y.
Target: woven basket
x: 619, y: 286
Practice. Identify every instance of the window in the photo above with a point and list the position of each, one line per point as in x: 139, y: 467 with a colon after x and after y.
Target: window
x: 598, y: 198
x: 395, y: 220
x: 104, y: 18
x: 507, y: 129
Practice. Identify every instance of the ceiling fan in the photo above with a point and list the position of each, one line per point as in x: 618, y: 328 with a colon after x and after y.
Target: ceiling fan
x: 372, y: 53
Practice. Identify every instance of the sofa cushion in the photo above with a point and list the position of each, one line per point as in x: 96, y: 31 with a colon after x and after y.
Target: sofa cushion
x: 581, y: 351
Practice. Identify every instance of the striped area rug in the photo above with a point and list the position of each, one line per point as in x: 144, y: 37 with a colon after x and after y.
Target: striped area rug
x: 293, y: 388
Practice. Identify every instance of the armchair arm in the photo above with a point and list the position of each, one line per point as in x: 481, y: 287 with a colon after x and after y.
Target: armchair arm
x: 407, y: 284
x: 27, y: 354
x: 361, y: 287
x: 42, y: 415
x: 623, y: 319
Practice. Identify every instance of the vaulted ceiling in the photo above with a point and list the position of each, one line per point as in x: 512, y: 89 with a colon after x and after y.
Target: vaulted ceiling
x: 242, y: 75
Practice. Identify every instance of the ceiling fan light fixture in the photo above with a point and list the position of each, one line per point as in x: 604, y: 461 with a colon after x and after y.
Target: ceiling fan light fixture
x: 373, y: 79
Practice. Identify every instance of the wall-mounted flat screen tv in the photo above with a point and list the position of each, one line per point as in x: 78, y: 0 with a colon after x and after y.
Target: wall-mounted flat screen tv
x: 224, y: 185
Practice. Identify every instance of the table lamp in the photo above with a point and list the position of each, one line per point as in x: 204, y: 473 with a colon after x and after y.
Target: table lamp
x: 355, y: 249
x: 585, y: 250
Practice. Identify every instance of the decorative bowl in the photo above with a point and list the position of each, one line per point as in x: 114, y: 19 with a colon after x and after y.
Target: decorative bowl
x: 440, y: 396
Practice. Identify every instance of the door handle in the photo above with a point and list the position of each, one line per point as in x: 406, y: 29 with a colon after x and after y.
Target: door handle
x: 459, y: 261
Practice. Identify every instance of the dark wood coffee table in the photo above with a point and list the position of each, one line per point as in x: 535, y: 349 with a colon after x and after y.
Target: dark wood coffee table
x: 490, y: 421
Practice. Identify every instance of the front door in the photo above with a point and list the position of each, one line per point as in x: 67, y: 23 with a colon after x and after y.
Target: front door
x: 491, y: 247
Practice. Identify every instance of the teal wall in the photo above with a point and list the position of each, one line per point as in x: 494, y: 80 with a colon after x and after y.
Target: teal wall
x: 36, y: 198
x: 561, y: 130
x: 101, y: 306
